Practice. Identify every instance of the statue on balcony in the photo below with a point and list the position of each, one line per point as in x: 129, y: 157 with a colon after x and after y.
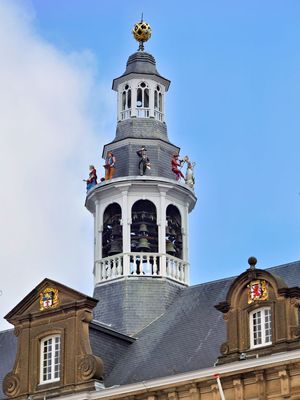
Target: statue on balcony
x: 109, y: 165
x: 176, y: 164
x: 189, y: 176
x: 144, y: 163
x: 92, y: 179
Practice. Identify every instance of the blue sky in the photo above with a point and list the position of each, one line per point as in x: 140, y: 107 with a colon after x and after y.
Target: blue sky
x: 233, y: 107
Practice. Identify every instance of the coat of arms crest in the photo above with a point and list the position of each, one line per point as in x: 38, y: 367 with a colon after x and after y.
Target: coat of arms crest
x: 48, y: 299
x: 257, y: 290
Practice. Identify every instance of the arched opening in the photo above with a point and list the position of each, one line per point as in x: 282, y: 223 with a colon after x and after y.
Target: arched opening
x: 144, y: 236
x: 112, y: 242
x: 158, y: 106
x: 173, y: 232
x: 126, y: 102
x: 142, y: 100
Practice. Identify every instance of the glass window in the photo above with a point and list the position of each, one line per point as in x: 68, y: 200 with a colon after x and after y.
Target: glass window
x: 50, y: 359
x: 261, y: 327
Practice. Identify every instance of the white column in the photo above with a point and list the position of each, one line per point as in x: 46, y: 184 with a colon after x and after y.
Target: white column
x: 126, y: 219
x: 133, y: 98
x: 119, y: 102
x: 162, y: 233
x: 98, y: 224
x: 151, y: 99
x: 185, y: 234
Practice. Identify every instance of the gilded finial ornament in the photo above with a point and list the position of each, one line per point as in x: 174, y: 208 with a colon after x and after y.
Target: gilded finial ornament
x: 49, y: 299
x: 141, y: 32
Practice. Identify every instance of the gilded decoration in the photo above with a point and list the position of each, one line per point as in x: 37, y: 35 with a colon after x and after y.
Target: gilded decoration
x: 49, y: 299
x: 257, y: 291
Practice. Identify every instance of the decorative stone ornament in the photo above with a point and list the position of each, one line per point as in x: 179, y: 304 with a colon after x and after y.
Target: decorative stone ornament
x: 142, y: 32
x: 49, y: 299
x: 257, y: 291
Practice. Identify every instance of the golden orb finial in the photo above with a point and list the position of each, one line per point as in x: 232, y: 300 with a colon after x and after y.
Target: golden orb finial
x: 141, y: 32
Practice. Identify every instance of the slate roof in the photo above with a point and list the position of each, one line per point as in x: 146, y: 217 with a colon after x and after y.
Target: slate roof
x: 8, y: 348
x: 186, y: 337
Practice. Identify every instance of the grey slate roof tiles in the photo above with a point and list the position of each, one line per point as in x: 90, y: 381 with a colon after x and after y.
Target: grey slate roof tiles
x: 186, y: 337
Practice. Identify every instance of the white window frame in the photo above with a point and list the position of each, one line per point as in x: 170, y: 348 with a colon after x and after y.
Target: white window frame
x: 266, y: 318
x: 49, y: 362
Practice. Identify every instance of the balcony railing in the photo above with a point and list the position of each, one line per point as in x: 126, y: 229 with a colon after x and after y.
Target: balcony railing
x: 158, y: 115
x: 141, y: 264
x: 125, y: 114
x: 143, y: 112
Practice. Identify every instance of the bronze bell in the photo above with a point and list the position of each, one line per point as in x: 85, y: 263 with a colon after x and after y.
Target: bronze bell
x: 115, y: 248
x: 173, y: 232
x: 168, y: 230
x: 116, y: 229
x: 143, y: 244
x: 143, y: 228
x: 170, y: 249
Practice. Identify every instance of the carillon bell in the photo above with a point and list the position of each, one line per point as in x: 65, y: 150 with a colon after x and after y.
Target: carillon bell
x: 143, y: 229
x: 168, y: 230
x: 143, y: 244
x: 116, y: 230
x: 170, y: 248
x: 115, y: 248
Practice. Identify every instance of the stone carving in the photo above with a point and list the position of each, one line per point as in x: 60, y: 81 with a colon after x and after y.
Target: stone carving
x: 224, y: 349
x: 11, y: 385
x: 90, y: 367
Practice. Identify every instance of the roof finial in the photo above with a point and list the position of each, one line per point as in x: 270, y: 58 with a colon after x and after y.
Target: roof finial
x: 141, y: 32
x: 252, y: 262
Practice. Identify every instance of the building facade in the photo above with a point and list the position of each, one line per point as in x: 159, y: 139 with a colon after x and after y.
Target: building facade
x: 145, y: 333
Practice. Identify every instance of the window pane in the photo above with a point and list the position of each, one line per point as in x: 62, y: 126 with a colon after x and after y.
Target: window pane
x: 50, y: 359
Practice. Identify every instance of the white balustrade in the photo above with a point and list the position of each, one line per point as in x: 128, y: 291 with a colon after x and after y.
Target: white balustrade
x: 158, y: 115
x: 142, y: 112
x: 141, y: 264
x: 125, y: 114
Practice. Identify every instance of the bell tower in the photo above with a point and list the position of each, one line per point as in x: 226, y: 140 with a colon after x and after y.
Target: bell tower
x: 141, y: 209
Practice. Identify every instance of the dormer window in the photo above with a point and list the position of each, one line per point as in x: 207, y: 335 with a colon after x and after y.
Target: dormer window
x: 50, y: 359
x: 142, y: 101
x: 260, y: 321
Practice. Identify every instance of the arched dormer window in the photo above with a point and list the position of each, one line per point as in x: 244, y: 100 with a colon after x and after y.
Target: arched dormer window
x: 126, y: 102
x: 142, y: 100
x: 50, y: 359
x: 158, y: 104
x: 260, y: 324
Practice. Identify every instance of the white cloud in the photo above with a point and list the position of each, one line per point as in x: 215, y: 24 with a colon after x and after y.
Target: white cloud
x: 47, y: 140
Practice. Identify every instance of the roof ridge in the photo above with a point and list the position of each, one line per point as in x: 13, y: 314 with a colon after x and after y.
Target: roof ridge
x: 234, y: 276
